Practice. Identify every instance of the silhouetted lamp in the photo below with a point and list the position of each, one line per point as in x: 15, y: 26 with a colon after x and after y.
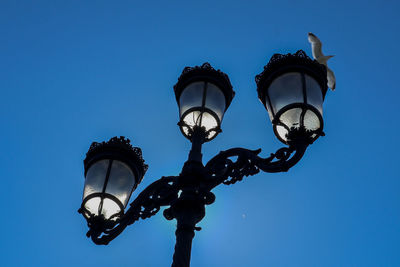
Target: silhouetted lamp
x: 292, y: 87
x: 203, y: 95
x: 113, y: 170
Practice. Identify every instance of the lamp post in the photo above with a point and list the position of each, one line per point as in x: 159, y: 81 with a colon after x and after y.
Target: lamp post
x: 292, y: 87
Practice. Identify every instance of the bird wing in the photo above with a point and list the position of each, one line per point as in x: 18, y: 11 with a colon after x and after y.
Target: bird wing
x: 316, y: 45
x: 331, y: 79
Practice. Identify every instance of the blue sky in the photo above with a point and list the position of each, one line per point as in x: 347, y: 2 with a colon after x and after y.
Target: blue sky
x: 73, y: 72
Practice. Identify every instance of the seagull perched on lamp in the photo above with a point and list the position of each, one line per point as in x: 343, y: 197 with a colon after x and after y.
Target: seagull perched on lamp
x: 316, y: 47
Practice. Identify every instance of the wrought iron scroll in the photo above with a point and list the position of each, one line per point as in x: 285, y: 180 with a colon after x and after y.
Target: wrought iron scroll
x: 160, y: 193
x: 224, y: 168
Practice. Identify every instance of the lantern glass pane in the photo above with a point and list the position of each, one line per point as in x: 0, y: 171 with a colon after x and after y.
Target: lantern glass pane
x: 311, y: 120
x: 192, y: 96
x: 314, y: 93
x: 95, y: 178
x: 108, y: 209
x: 121, y: 181
x: 282, y: 132
x: 120, y: 184
x: 269, y: 109
x: 202, y: 109
x: 291, y: 118
x: 215, y: 100
x: 201, y: 119
x: 285, y: 90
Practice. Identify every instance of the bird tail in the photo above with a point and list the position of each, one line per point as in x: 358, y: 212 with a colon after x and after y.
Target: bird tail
x: 326, y: 58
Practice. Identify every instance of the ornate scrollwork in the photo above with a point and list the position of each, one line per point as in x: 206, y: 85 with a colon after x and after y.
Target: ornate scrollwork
x: 280, y: 62
x: 223, y: 169
x: 207, y: 134
x: 121, y: 143
x: 205, y: 73
x: 187, y: 194
x: 160, y: 193
x: 120, y: 148
x: 205, y: 67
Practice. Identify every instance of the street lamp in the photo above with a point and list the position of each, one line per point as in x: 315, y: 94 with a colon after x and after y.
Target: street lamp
x: 292, y: 87
x: 203, y: 95
x: 113, y: 170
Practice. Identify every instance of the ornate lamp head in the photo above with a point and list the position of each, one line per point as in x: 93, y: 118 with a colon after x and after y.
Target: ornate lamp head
x: 113, y: 170
x: 292, y: 88
x: 203, y: 95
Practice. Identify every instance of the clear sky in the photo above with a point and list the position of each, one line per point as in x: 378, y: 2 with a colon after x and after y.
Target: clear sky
x: 73, y: 72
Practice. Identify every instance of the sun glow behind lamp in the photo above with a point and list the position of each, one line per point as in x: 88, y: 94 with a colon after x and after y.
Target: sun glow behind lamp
x: 292, y: 88
x: 113, y: 170
x: 203, y: 95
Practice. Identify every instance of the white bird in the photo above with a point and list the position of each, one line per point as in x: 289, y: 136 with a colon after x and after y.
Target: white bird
x: 316, y: 47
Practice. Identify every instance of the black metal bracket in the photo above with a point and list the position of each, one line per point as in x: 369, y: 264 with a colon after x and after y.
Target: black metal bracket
x: 192, y: 188
x: 160, y: 193
x: 224, y: 169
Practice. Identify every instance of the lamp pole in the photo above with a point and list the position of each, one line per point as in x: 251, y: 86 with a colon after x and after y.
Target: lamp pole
x: 113, y: 169
x: 189, y: 208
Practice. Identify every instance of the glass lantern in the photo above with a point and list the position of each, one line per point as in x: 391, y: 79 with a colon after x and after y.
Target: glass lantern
x: 292, y: 87
x: 113, y: 170
x: 203, y: 95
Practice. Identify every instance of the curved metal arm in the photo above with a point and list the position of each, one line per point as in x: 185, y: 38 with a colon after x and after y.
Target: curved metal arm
x: 160, y: 193
x: 224, y: 170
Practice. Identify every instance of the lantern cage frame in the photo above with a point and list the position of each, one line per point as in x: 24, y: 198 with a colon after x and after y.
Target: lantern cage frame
x: 281, y: 64
x: 207, y: 74
x: 120, y: 149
